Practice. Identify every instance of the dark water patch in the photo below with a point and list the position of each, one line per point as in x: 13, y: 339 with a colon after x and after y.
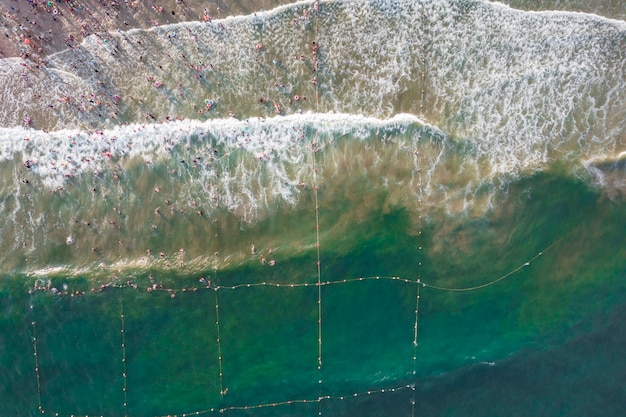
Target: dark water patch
x: 584, y: 376
x: 171, y: 354
x: 368, y: 334
x: 78, y: 341
x: 269, y: 343
x: 18, y: 393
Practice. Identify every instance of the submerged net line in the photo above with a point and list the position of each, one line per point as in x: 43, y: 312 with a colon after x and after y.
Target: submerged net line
x: 419, y: 232
x: 222, y: 410
x: 219, y: 344
x: 420, y: 282
x: 125, y: 382
x: 321, y: 397
x: 494, y: 281
x: 317, y: 211
x: 318, y: 400
x: 37, y: 375
x: 319, y: 274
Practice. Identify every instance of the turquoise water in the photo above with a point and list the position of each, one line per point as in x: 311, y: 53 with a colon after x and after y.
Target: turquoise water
x: 154, y: 268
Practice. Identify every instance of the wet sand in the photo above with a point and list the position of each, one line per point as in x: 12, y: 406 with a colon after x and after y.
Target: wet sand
x: 34, y: 29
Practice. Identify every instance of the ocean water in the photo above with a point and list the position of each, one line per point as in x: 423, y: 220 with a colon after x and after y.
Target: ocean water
x: 373, y: 208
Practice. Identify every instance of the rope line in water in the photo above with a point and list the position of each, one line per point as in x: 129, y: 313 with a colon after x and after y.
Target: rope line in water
x: 219, y: 345
x: 367, y: 278
x: 319, y: 280
x: 317, y: 212
x: 290, y: 402
x: 319, y: 285
x: 495, y: 281
x: 38, y: 377
x: 415, y: 334
x: 337, y: 282
x: 419, y: 260
x: 319, y: 270
x: 416, y: 324
x: 315, y: 400
x: 123, y: 333
x: 371, y: 278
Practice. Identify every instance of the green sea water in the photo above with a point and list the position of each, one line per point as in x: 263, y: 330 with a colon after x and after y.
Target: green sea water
x: 269, y: 335
x: 439, y: 233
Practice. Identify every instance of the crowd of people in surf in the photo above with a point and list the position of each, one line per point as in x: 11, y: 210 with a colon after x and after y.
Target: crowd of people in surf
x: 106, y: 103
x: 190, y: 151
x: 69, y: 160
x: 63, y: 288
x: 33, y: 28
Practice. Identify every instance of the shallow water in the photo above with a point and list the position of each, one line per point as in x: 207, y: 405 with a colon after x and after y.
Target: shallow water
x: 463, y: 145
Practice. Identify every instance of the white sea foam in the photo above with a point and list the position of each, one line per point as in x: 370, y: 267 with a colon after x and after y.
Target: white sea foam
x: 608, y: 172
x: 371, y: 53
x: 514, y: 90
x: 535, y: 85
x: 60, y: 154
